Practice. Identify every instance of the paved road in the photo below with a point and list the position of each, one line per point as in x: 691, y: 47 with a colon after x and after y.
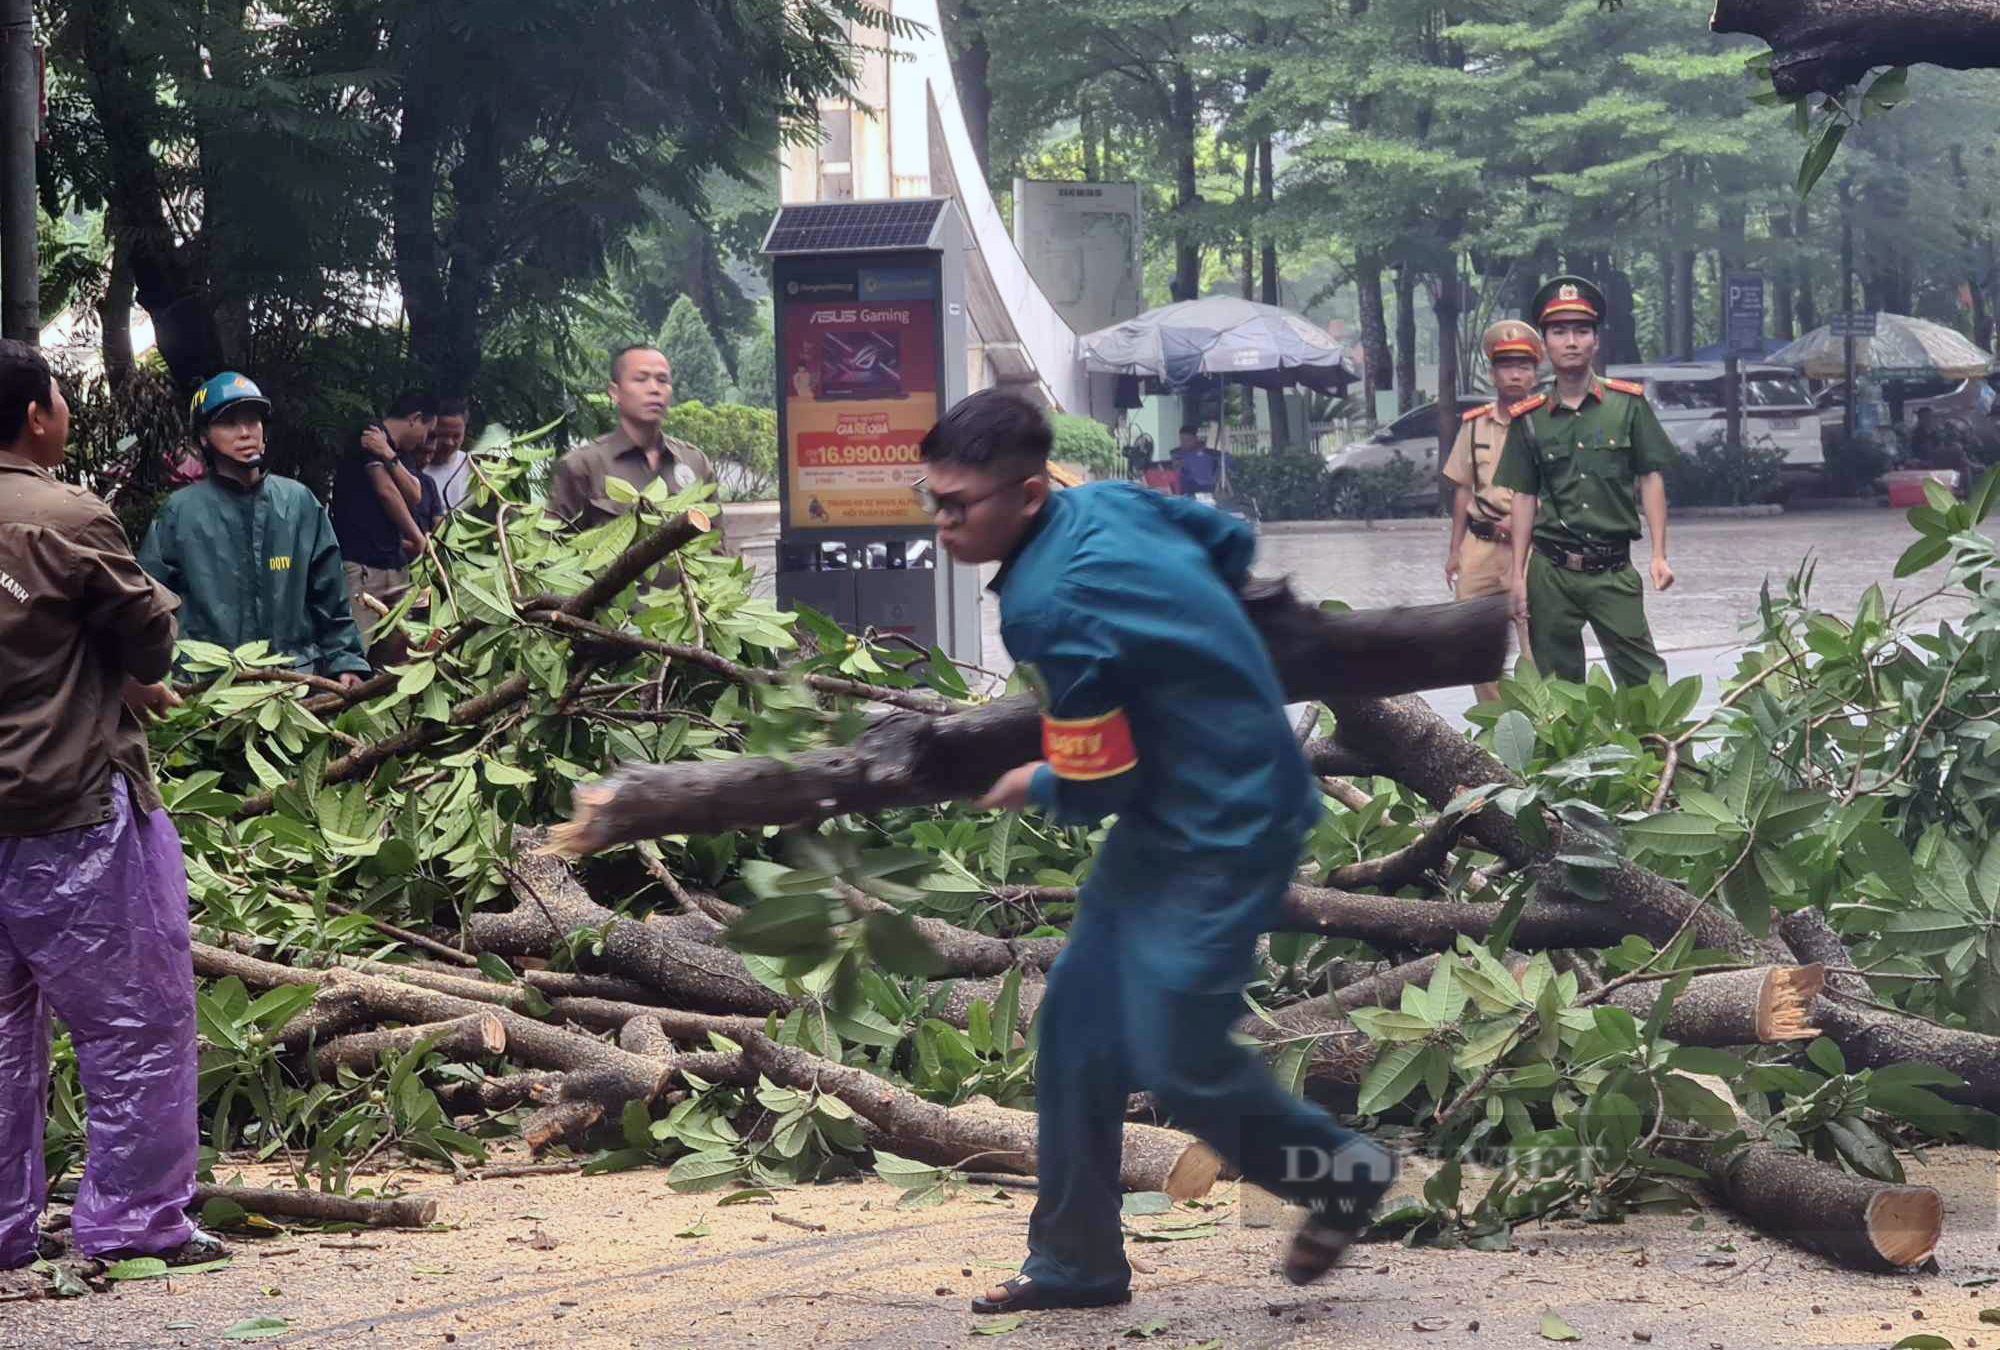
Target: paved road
x: 1699, y: 624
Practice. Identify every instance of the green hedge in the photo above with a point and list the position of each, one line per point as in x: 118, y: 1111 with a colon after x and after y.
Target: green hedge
x: 1083, y: 441
x: 730, y: 433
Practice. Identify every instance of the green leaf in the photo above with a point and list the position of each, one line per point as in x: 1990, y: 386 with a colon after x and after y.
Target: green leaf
x: 1555, y: 1329
x: 1138, y: 1204
x: 1983, y: 498
x: 999, y: 1326
x: 1514, y: 740
x: 1920, y: 555
x: 897, y: 946
x: 903, y: 1172
x: 1617, y: 1026
x: 1820, y: 155
x: 1700, y: 1059
x: 257, y: 1329
x: 1390, y: 1078
x: 1923, y: 1340
x: 1678, y: 834
x: 1887, y: 90
x: 138, y: 1268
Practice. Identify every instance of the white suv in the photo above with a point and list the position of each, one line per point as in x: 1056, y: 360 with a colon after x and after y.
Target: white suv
x: 1777, y: 407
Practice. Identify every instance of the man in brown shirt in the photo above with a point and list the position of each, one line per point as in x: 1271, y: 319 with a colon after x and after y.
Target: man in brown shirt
x: 1483, y: 564
x: 642, y: 389
x: 93, y: 893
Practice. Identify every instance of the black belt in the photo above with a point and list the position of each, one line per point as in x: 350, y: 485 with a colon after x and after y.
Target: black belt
x: 1491, y: 531
x: 1591, y: 560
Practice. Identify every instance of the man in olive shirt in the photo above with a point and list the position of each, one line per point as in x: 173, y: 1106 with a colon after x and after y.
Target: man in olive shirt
x: 1574, y: 460
x: 93, y: 893
x: 642, y: 388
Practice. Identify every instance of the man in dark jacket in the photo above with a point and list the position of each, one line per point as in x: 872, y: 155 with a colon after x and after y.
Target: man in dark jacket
x: 93, y: 895
x: 1161, y: 707
x: 250, y: 554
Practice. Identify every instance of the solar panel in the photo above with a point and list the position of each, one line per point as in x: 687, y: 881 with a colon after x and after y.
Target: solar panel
x: 854, y: 227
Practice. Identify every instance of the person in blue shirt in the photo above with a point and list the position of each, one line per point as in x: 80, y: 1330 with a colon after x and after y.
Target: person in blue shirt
x: 1160, y: 706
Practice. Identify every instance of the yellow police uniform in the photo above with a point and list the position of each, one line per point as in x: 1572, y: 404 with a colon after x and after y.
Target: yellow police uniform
x: 1486, y: 554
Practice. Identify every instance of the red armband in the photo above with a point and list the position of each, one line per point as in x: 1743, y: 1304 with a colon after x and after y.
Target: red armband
x: 1087, y: 748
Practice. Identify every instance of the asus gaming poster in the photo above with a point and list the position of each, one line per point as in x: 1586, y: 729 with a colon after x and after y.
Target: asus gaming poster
x: 860, y: 383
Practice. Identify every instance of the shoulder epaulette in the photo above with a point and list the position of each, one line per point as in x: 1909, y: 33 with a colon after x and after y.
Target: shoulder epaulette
x: 1527, y: 405
x: 1625, y: 386
x: 1484, y: 410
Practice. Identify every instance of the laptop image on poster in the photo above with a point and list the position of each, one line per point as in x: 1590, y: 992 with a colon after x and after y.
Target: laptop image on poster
x: 862, y: 365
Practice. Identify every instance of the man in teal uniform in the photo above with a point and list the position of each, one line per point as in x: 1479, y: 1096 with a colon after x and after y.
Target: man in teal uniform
x: 1575, y: 459
x: 1162, y: 707
x: 250, y: 554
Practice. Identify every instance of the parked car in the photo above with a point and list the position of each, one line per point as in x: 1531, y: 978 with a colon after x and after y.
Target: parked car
x: 1946, y: 398
x: 1414, y: 436
x: 1777, y: 406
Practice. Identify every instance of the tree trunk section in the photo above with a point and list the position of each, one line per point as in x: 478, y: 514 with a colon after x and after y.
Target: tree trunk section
x: 1406, y: 337
x: 409, y: 1211
x: 1377, y: 364
x: 1739, y: 1007
x: 1446, y: 310
x: 1184, y: 111
x: 1823, y: 46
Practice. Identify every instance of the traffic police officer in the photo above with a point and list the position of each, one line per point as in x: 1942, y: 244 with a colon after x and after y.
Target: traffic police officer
x: 1160, y: 706
x: 1484, y: 564
x: 1575, y: 458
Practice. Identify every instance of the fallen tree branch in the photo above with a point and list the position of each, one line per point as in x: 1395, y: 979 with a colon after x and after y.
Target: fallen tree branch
x: 408, y: 1211
x: 1824, y: 46
x: 472, y: 1037
x: 633, y: 563
x: 1002, y: 1139
x: 1438, y: 763
x: 907, y: 759
x: 1407, y: 866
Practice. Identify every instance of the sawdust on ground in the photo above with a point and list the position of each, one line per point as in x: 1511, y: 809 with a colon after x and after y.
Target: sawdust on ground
x: 606, y: 1263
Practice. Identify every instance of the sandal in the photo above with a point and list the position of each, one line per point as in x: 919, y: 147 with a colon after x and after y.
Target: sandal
x: 1024, y: 1295
x: 1316, y: 1248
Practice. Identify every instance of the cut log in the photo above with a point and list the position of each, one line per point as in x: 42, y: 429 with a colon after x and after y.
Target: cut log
x: 475, y: 1037
x: 909, y: 759
x: 1407, y: 866
x: 1735, y: 1007
x: 408, y: 1211
x: 997, y: 1138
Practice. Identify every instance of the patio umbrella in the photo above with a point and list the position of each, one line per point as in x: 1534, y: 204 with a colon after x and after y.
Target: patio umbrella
x: 1220, y: 336
x: 1903, y: 348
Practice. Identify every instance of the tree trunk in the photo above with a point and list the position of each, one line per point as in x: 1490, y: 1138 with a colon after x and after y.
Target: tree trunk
x: 114, y: 316
x: 166, y: 277
x: 1185, y: 111
x: 1281, y: 423
x: 1823, y: 46
x: 1446, y: 309
x: 1684, y: 296
x: 1663, y: 259
x: 421, y: 271
x: 1621, y: 329
x: 971, y: 60
x: 1406, y: 337
x: 1248, y: 202
x: 1377, y: 373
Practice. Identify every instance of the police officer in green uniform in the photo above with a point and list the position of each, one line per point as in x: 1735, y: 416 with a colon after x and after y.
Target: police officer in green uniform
x: 1581, y: 460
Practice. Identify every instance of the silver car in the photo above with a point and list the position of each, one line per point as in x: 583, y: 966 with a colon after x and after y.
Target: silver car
x: 1414, y: 436
x: 1777, y: 407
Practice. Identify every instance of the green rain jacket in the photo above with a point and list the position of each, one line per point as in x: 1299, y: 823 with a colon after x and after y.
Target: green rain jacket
x: 252, y: 563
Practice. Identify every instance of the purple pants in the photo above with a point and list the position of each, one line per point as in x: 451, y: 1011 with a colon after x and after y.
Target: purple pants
x: 94, y: 928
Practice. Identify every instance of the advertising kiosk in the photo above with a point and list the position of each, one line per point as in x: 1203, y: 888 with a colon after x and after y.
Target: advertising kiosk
x: 871, y: 337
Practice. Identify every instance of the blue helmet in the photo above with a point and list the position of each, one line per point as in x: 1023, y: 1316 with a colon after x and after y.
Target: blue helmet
x: 224, y: 391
